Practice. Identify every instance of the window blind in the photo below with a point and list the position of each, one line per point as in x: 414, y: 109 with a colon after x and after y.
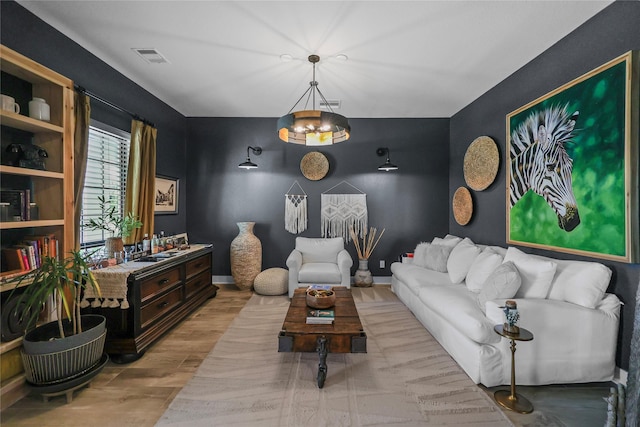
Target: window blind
x: 106, y: 176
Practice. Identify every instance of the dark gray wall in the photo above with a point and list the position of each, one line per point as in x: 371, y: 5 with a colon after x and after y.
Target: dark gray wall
x: 609, y: 34
x: 410, y: 203
x: 27, y: 34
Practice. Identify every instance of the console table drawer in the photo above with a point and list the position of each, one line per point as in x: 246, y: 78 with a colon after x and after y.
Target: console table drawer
x: 199, y: 264
x: 156, y: 284
x: 195, y: 285
x: 160, y: 306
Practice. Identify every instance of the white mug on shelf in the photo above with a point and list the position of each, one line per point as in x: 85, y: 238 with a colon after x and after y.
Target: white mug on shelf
x: 9, y: 104
x: 39, y: 109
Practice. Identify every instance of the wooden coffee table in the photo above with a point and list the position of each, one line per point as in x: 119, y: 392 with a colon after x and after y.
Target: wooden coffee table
x: 345, y: 335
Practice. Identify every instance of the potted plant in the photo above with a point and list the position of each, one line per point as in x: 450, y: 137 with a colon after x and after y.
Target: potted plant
x: 118, y: 226
x: 69, y: 346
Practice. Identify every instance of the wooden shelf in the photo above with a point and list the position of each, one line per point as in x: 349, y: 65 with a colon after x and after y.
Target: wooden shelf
x: 18, y: 121
x: 12, y: 170
x: 13, y: 390
x: 6, y: 285
x: 28, y: 224
x: 10, y: 345
x: 51, y: 189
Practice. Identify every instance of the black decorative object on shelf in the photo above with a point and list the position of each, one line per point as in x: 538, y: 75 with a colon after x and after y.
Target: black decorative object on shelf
x: 27, y: 156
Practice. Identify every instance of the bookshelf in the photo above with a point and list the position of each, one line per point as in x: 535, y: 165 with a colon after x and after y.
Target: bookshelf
x: 51, y: 189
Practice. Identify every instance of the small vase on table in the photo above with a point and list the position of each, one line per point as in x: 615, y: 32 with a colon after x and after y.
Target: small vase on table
x: 363, y: 278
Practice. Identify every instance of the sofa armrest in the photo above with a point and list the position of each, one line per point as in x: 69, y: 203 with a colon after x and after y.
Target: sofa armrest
x: 570, y: 343
x: 344, y: 265
x: 294, y: 262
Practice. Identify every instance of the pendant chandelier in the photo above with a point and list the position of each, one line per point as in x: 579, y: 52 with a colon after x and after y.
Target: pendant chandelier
x: 313, y: 127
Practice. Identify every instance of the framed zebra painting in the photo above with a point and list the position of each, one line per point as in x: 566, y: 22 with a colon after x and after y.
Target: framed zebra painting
x: 572, y: 168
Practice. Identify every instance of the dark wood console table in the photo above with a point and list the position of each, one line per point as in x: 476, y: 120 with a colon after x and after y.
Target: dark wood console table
x: 159, y: 295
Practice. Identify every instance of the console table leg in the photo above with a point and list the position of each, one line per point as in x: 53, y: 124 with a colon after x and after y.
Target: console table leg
x: 322, y: 366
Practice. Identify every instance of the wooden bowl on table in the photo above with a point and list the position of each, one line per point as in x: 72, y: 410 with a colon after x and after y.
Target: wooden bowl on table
x: 321, y: 298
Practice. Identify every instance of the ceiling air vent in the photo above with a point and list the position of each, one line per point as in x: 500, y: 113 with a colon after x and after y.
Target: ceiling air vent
x: 333, y: 104
x: 152, y: 56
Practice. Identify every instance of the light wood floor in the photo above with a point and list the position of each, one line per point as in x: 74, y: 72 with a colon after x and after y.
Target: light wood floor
x: 138, y: 393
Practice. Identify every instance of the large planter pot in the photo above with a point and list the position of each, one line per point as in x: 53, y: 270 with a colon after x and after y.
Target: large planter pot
x: 246, y: 256
x: 48, y: 359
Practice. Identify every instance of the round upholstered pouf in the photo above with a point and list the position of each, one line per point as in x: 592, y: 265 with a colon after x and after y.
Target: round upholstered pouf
x: 272, y: 281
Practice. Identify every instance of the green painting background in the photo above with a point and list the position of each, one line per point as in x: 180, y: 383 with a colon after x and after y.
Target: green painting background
x: 598, y: 170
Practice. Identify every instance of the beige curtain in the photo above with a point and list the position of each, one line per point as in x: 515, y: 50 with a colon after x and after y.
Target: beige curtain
x: 141, y: 174
x: 82, y: 107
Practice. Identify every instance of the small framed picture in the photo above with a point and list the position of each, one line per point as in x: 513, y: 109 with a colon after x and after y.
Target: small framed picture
x: 166, y: 194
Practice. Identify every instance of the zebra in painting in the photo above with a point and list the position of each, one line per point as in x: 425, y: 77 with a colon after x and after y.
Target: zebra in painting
x: 539, y: 162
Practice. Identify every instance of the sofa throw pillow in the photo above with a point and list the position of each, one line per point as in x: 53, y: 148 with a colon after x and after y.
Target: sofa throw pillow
x: 437, y: 256
x: 481, y: 268
x: 580, y: 282
x: 420, y: 254
x: 536, y: 273
x: 450, y: 241
x: 503, y: 283
x: 460, y: 260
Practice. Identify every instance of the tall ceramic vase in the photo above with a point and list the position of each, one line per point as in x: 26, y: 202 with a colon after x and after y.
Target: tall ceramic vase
x: 246, y: 256
x: 363, y: 278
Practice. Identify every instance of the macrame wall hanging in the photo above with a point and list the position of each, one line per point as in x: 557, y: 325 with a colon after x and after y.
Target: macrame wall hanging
x: 295, y: 211
x: 342, y: 212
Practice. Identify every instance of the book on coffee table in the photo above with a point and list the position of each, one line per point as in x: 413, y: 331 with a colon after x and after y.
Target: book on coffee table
x: 320, y: 316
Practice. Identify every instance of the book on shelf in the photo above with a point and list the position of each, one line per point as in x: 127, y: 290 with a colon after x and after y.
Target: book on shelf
x: 320, y: 316
x: 27, y: 255
x: 13, y: 259
x: 19, y: 203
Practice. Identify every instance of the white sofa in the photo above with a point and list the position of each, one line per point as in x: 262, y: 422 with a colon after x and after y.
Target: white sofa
x: 319, y: 261
x: 563, y: 303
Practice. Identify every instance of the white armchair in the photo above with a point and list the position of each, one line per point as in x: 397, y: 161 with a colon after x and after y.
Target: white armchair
x: 319, y: 261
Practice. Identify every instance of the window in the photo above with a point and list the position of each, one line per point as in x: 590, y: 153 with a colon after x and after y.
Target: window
x: 106, y: 176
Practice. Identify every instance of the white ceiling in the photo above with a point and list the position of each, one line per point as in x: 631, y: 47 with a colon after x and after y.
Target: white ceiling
x: 405, y: 58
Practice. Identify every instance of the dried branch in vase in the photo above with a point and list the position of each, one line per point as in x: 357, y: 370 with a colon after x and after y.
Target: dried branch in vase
x: 369, y: 242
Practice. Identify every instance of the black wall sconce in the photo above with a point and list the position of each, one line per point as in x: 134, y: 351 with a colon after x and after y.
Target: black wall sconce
x: 248, y: 164
x: 387, y: 166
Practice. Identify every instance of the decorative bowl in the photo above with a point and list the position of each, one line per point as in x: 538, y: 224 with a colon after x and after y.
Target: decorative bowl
x: 320, y: 298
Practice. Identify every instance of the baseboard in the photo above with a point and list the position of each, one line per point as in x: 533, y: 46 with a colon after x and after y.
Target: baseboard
x: 222, y: 279
x: 620, y: 376
x: 377, y: 280
x: 381, y: 280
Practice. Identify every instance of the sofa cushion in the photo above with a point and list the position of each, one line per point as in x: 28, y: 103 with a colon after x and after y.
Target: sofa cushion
x: 481, y: 269
x: 417, y: 278
x: 536, y: 273
x: 437, y: 256
x: 449, y: 240
x: 460, y: 260
x: 319, y: 272
x: 580, y: 282
x: 420, y: 254
x: 458, y: 306
x: 503, y: 283
x: 319, y: 250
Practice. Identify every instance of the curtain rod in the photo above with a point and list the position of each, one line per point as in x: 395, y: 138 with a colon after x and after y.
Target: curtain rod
x: 112, y: 105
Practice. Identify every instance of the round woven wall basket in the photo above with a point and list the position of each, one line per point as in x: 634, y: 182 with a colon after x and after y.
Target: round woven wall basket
x: 481, y: 162
x: 314, y: 166
x: 462, y: 206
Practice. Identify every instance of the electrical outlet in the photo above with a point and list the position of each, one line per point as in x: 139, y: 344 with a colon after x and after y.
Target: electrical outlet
x: 381, y: 263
